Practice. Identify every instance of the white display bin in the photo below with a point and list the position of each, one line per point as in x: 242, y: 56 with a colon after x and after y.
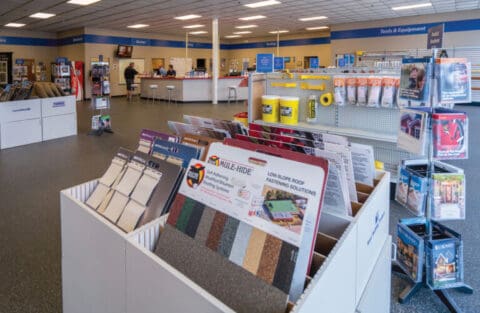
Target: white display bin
x: 346, y: 281
x: 29, y: 121
x: 59, y: 126
x: 93, y: 257
x: 11, y: 111
x: 58, y: 106
x: 19, y: 133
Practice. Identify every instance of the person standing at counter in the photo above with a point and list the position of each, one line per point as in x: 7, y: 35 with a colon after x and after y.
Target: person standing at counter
x: 171, y: 73
x: 161, y: 71
x: 129, y: 75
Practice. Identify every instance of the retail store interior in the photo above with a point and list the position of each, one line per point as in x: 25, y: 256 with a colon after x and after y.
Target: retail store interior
x: 219, y: 50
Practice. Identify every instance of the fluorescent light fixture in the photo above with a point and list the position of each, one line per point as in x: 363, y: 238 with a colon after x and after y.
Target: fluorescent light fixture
x: 187, y: 17
x: 279, y: 31
x: 251, y: 18
x: 82, y: 2
x: 194, y: 26
x: 233, y: 36
x: 242, y: 32
x: 317, y: 28
x: 14, y: 25
x: 246, y: 26
x: 412, y: 6
x: 138, y: 26
x: 313, y: 18
x: 198, y: 32
x: 262, y: 4
x: 42, y: 15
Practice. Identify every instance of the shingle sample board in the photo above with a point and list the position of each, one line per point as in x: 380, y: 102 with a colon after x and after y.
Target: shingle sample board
x: 230, y: 283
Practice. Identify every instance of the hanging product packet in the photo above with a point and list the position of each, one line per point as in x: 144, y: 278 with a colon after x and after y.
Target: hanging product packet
x: 351, y: 83
x: 362, y: 90
x: 389, y: 91
x: 339, y: 88
x: 374, y: 91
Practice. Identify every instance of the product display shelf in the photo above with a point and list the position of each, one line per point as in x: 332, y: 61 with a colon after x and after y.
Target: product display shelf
x: 28, y: 121
x: 105, y: 270
x: 368, y: 125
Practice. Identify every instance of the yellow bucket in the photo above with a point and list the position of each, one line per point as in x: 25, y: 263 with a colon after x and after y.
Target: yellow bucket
x: 270, y: 109
x: 289, y: 110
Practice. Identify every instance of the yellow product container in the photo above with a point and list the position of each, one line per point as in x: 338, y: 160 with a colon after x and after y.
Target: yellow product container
x: 270, y: 108
x: 289, y: 110
x: 241, y: 117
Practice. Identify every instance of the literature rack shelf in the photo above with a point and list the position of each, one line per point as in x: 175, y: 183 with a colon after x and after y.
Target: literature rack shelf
x: 431, y: 254
x: 106, y: 270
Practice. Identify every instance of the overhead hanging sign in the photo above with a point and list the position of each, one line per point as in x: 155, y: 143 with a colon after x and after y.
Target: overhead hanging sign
x: 265, y: 62
x: 435, y: 36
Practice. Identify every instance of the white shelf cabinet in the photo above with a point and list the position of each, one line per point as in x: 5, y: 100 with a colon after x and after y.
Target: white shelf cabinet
x: 105, y: 270
x: 29, y: 121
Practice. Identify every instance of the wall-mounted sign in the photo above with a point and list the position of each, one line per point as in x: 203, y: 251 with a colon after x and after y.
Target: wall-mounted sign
x: 278, y: 63
x: 265, y: 62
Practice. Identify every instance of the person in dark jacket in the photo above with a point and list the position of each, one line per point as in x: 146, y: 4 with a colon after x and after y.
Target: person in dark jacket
x: 171, y: 73
x: 129, y: 75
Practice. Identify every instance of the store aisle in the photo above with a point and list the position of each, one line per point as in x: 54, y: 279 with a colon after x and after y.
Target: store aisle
x: 32, y: 176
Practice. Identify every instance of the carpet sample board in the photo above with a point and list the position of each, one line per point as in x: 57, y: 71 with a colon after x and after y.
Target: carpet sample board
x: 115, y: 207
x: 103, y: 206
x: 112, y: 172
x: 145, y: 186
x: 97, y: 196
x: 129, y: 181
x: 162, y: 195
x: 130, y: 216
x: 230, y: 283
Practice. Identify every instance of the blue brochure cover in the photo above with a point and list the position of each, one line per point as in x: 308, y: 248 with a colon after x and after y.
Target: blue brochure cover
x: 174, y: 152
x: 410, y: 251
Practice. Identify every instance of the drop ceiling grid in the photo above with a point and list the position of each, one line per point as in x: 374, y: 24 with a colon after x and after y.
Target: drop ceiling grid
x: 117, y: 14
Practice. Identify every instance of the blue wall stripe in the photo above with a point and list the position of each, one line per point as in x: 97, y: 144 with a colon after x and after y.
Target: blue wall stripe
x: 26, y: 41
x: 401, y: 30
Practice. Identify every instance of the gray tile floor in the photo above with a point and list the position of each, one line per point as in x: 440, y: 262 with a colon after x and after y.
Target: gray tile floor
x: 32, y: 176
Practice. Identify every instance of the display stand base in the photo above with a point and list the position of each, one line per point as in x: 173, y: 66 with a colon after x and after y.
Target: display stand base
x: 100, y: 131
x: 442, y: 294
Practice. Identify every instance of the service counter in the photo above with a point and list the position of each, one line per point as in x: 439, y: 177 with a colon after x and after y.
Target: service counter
x: 193, y: 89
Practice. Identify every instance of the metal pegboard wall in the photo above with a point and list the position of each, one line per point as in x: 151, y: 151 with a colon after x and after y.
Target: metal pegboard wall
x: 375, y: 119
x: 325, y: 116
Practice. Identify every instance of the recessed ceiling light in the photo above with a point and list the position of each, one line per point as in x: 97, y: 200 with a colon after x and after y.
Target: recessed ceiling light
x: 187, y: 17
x: 138, y: 26
x: 251, y: 18
x: 412, y: 6
x: 317, y: 28
x: 233, y: 36
x: 262, y: 4
x: 82, y: 2
x: 42, y: 15
x: 313, y: 18
x: 14, y: 25
x: 279, y: 31
x: 194, y: 26
x: 246, y: 26
x: 242, y: 32
x: 198, y: 32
